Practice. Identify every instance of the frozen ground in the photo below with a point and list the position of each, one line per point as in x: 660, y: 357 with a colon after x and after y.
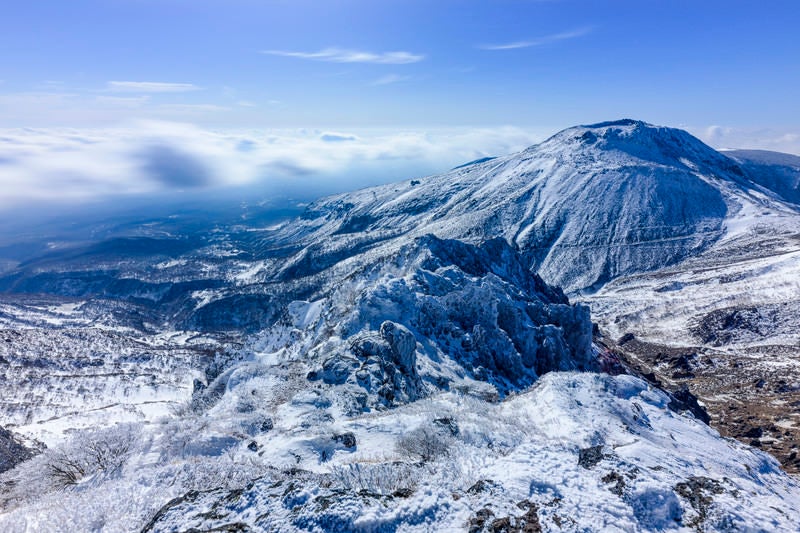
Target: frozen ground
x: 349, y: 370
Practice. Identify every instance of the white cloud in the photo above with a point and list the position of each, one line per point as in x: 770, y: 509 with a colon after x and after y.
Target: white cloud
x: 123, y: 101
x: 390, y: 78
x: 332, y: 136
x: 193, y: 108
x: 729, y: 137
x: 150, y: 87
x: 547, y: 39
x: 63, y: 164
x: 339, y: 55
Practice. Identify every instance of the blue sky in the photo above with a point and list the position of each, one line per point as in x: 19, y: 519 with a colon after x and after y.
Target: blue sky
x: 462, y: 78
x: 675, y: 62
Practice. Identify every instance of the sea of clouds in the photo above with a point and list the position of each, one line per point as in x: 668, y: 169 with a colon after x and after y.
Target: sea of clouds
x: 146, y: 157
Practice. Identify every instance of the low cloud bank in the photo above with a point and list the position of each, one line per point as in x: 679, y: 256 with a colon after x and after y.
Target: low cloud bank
x: 727, y: 137
x: 61, y: 166
x: 72, y: 165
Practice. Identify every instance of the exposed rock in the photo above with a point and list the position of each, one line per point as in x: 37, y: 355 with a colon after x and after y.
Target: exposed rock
x: 617, y: 482
x: 699, y: 491
x: 684, y: 400
x: 449, y: 424
x: 403, y: 345
x: 12, y: 451
x: 753, y: 433
x: 482, y: 485
x: 348, y: 440
x: 590, y: 457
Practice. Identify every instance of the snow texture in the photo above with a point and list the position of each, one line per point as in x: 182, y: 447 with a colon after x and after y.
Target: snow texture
x: 390, y: 361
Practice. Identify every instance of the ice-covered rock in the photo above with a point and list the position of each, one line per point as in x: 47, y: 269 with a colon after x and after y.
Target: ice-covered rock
x: 435, y: 312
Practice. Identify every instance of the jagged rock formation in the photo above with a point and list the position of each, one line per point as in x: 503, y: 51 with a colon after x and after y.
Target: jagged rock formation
x: 432, y: 315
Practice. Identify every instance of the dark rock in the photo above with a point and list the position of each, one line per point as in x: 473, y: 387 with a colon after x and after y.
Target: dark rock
x: 348, y: 440
x: 253, y: 446
x: 197, y: 386
x: 403, y: 493
x: 753, y: 433
x: 699, y: 491
x: 449, y: 424
x: 12, y: 451
x: 529, y: 522
x: 477, y: 522
x: 683, y: 400
x: 500, y: 525
x: 628, y: 337
x: 589, y: 457
x: 619, y: 482
x: 652, y: 378
x: 482, y: 485
x: 683, y: 366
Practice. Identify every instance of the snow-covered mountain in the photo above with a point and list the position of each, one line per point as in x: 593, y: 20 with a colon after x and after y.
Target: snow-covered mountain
x: 777, y: 172
x: 402, y: 357
x: 590, y: 204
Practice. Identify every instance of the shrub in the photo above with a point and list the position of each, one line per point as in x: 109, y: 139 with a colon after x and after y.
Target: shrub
x: 427, y: 443
x: 102, y: 451
x: 382, y: 478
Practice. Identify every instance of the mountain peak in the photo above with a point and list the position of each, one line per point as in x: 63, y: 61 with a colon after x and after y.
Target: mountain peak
x: 620, y: 122
x: 624, y: 131
x: 644, y: 141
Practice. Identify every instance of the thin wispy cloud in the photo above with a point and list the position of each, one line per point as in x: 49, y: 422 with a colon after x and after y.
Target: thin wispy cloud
x: 389, y: 79
x: 123, y: 101
x: 150, y: 87
x: 547, y: 39
x: 341, y: 55
x: 191, y: 108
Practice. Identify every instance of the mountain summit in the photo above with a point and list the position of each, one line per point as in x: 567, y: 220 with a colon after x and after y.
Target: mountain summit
x: 587, y: 205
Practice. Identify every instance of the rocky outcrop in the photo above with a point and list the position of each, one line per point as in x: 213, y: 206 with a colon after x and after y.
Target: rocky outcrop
x: 437, y: 305
x: 12, y: 451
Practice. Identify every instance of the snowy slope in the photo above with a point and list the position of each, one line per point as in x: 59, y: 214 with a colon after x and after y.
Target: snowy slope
x: 389, y: 360
x: 586, y: 206
x: 776, y: 171
x: 424, y: 392
x: 578, y: 452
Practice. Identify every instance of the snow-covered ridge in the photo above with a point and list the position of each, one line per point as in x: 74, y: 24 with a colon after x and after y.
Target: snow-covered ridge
x: 430, y: 389
x: 588, y: 205
x: 391, y: 361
